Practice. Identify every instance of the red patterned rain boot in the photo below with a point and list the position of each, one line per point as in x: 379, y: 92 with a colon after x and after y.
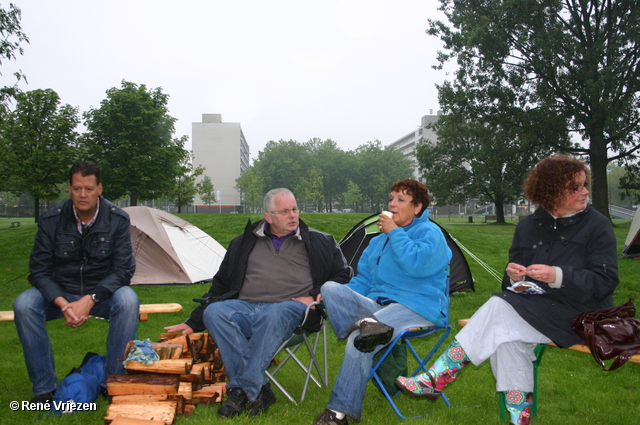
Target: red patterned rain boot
x: 518, y: 404
x: 443, y: 371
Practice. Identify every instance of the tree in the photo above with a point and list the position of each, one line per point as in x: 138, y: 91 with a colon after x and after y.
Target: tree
x: 282, y: 163
x: 630, y: 182
x: 475, y: 159
x: 251, y: 185
x: 353, y: 196
x: 38, y: 144
x: 185, y: 189
x: 330, y: 160
x: 206, y: 190
x: 545, y: 67
x: 316, y: 187
x: 10, y: 44
x: 130, y: 136
x: 377, y: 168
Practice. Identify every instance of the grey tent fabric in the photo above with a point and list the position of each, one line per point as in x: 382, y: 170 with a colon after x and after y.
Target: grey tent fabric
x: 170, y: 250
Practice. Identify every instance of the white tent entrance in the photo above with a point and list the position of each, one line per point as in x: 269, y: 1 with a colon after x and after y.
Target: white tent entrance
x: 170, y: 250
x: 632, y: 243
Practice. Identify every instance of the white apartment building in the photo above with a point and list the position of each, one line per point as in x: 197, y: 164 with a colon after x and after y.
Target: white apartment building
x: 407, y: 144
x: 223, y: 151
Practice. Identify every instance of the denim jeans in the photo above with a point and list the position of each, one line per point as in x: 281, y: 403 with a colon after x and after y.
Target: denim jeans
x: 32, y: 313
x: 248, y: 335
x: 345, y: 307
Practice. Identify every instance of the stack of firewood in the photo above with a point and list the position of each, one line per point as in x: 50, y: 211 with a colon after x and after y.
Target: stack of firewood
x: 189, y: 372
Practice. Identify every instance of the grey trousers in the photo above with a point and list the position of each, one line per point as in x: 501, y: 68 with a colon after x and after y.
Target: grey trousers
x: 497, y: 332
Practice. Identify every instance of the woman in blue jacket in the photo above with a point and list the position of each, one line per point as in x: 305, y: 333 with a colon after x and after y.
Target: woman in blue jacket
x: 401, y: 282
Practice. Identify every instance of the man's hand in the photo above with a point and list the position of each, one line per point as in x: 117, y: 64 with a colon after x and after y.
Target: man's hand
x: 77, y: 312
x: 182, y: 327
x: 304, y: 300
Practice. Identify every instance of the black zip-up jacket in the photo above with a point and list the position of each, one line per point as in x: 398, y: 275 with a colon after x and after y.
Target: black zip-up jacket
x: 99, y: 261
x: 584, y: 247
x: 325, y: 260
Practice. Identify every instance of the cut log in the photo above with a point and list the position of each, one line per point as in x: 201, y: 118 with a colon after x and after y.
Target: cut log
x: 148, y: 398
x: 164, y: 411
x: 206, y: 371
x: 185, y: 389
x: 188, y: 409
x: 195, y: 344
x: 121, y: 420
x: 169, y: 366
x: 196, y: 377
x: 219, y: 377
x: 209, y: 394
x: 138, y: 398
x: 142, y: 384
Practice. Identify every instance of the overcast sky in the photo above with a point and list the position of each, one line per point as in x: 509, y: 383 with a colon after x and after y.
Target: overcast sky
x: 348, y: 70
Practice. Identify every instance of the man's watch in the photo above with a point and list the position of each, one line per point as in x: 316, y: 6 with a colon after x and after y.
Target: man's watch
x: 94, y: 298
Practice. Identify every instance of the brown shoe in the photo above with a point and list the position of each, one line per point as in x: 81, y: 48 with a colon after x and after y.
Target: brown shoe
x: 371, y: 335
x: 328, y: 417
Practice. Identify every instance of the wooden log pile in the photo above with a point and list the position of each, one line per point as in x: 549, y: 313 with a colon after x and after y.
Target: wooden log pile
x: 189, y: 372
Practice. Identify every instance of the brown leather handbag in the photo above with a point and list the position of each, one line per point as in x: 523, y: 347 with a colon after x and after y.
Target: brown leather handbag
x: 610, y: 333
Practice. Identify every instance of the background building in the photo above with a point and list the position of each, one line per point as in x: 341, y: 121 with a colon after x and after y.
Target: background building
x: 222, y: 150
x: 407, y: 144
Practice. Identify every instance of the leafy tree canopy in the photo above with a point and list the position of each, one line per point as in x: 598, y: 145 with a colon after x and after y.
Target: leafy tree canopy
x: 319, y: 172
x: 548, y: 67
x: 11, y: 37
x: 37, y: 144
x: 130, y: 136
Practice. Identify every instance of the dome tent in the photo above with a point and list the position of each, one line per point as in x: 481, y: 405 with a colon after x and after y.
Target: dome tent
x: 357, y: 239
x: 170, y: 250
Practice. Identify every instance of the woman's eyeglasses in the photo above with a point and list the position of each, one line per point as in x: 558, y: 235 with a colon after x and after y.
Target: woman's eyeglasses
x: 577, y: 188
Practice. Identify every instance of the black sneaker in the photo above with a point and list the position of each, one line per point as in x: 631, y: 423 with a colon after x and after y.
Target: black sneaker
x: 328, y: 417
x: 371, y: 335
x: 43, y: 398
x: 261, y: 404
x: 235, y: 403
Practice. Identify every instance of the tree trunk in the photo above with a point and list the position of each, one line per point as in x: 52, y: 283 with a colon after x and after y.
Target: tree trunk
x: 499, y: 210
x: 134, y: 199
x: 36, y: 209
x: 599, y: 188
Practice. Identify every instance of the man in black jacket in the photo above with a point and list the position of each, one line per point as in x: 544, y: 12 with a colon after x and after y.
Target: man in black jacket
x: 268, y: 277
x: 81, y: 265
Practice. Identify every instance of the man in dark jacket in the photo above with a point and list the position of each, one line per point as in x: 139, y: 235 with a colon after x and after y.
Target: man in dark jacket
x: 81, y: 265
x: 268, y: 277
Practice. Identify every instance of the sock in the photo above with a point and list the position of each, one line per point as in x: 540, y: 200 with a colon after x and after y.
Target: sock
x: 339, y: 415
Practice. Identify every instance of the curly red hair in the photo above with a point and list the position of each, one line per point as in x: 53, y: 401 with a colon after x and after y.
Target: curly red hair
x: 417, y: 190
x: 552, y: 179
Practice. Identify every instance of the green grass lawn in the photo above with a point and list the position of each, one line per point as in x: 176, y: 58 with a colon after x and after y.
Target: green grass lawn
x: 572, y: 387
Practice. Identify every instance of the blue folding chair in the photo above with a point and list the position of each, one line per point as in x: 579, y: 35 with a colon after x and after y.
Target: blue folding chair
x: 405, y: 337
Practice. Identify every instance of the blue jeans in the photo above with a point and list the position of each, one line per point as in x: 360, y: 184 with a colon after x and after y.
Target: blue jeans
x: 345, y: 307
x: 32, y: 312
x: 248, y: 335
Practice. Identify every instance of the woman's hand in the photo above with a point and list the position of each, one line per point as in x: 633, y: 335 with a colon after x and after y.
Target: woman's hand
x: 386, y: 223
x: 542, y: 273
x: 516, y: 272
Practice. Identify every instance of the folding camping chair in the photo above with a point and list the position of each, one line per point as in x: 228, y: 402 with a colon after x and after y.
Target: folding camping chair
x: 310, y: 340
x: 405, y: 337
